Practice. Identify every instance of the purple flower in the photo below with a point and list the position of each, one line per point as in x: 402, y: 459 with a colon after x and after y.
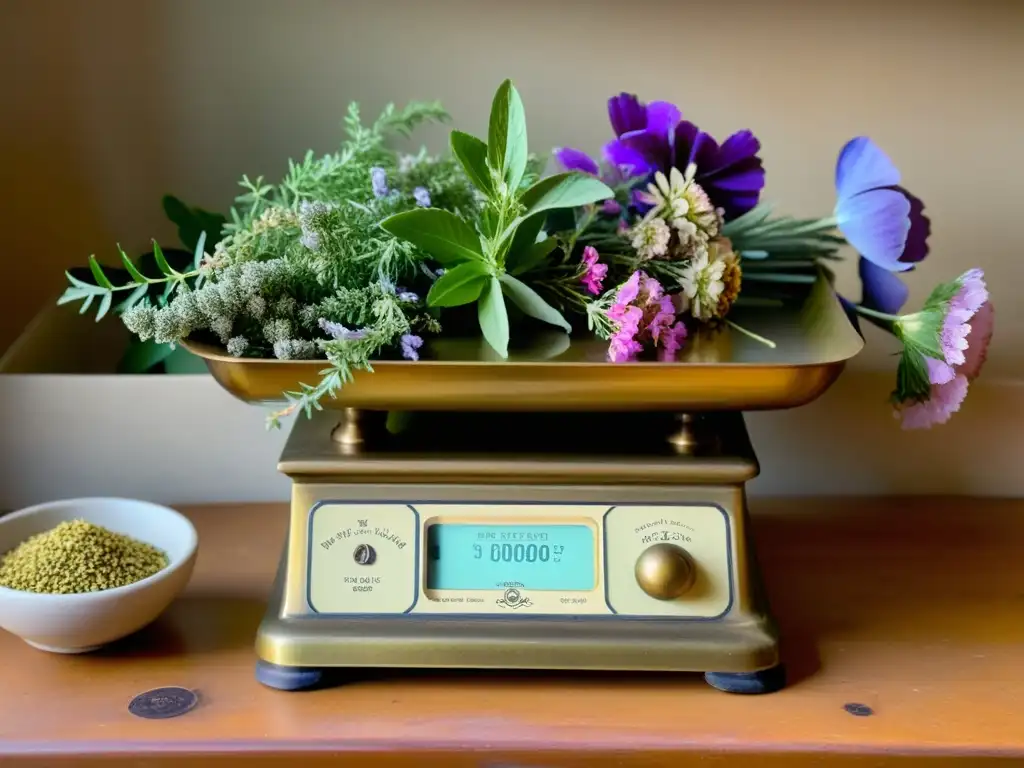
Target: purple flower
x: 409, y: 296
x: 379, y: 180
x: 410, y: 344
x: 654, y: 137
x: 882, y: 220
x: 882, y: 291
x: 422, y: 197
x: 340, y: 332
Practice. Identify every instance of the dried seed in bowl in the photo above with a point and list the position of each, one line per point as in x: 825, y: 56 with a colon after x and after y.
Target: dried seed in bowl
x: 77, y: 556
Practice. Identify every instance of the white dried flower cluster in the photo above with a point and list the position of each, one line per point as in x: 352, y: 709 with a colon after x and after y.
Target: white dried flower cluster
x: 651, y: 238
x: 247, y: 297
x: 681, y: 207
x: 237, y: 346
x: 295, y: 349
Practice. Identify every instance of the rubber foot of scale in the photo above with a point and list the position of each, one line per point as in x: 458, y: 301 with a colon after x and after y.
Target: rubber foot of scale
x: 750, y: 683
x: 287, y: 678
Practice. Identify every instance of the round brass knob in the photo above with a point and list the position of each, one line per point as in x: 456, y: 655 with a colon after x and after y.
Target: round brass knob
x: 665, y: 571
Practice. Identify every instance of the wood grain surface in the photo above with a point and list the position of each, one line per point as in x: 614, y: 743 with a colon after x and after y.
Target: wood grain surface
x: 913, y: 608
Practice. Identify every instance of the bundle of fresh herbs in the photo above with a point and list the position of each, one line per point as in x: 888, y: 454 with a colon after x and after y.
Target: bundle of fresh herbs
x: 361, y: 254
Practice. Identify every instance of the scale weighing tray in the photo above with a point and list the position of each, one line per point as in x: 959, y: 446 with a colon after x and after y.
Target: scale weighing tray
x: 550, y: 511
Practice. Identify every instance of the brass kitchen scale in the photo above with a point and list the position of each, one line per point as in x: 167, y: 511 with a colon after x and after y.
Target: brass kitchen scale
x: 548, y: 511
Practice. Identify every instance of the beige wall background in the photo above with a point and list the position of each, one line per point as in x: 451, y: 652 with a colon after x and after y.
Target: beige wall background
x: 108, y: 104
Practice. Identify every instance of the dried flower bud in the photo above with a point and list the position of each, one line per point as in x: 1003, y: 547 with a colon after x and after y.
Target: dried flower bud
x: 277, y: 330
x: 166, y: 326
x: 294, y: 349
x: 140, y: 320
x: 237, y: 346
x: 256, y: 307
x: 222, y: 326
x: 285, y: 306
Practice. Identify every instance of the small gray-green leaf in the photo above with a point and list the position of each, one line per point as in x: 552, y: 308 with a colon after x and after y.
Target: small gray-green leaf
x: 443, y: 235
x: 200, y: 250
x: 528, y: 300
x: 97, y: 271
x: 161, y: 261
x: 472, y: 154
x: 459, y: 285
x: 137, y: 276
x: 564, y: 190
x: 493, y: 317
x: 104, y: 307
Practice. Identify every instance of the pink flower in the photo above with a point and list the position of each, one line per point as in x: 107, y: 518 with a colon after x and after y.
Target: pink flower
x: 964, y: 338
x: 642, y: 313
x: 594, y: 272
x: 956, y: 326
x: 944, y: 401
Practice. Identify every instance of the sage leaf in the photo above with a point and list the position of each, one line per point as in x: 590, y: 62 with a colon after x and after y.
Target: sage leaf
x: 530, y: 302
x: 459, y: 285
x: 526, y: 234
x: 564, y: 190
x: 443, y: 235
x: 526, y: 260
x: 472, y: 155
x: 493, y: 317
x: 506, y: 135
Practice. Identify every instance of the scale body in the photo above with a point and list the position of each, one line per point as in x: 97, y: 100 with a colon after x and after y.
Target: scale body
x: 544, y: 547
x: 414, y: 550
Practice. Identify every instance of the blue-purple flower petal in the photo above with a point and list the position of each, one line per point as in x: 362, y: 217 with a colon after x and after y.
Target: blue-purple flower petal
x: 876, y: 224
x: 662, y: 118
x: 626, y: 114
x: 920, y: 229
x: 637, y: 157
x: 861, y: 167
x: 576, y: 160
x: 881, y: 289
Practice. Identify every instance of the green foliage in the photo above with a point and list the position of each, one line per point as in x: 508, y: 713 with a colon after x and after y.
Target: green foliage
x: 482, y: 248
x: 193, y: 223
x: 460, y: 285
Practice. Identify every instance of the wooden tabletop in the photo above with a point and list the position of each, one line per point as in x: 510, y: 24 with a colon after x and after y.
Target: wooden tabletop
x: 912, y: 608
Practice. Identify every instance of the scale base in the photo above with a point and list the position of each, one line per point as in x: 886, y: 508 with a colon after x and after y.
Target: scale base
x: 736, y: 655
x: 689, y: 487
x: 769, y: 680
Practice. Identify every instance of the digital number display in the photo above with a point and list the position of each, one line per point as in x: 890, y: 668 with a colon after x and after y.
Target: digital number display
x: 543, y: 557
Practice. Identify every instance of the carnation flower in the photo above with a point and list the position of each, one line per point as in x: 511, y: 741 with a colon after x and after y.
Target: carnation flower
x: 594, y: 272
x: 643, y: 314
x: 945, y: 346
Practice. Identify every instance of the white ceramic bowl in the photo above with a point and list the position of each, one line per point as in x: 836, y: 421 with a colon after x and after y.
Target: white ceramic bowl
x: 83, y: 622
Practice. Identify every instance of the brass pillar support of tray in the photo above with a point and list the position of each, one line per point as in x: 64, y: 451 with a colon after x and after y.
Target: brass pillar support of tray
x: 549, y: 511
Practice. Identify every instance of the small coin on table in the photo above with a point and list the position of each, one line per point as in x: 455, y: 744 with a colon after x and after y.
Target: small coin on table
x: 162, y: 703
